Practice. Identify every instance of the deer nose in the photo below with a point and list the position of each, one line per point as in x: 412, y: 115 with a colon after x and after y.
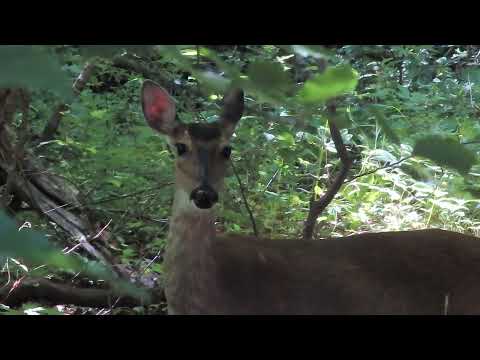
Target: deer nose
x: 204, y: 197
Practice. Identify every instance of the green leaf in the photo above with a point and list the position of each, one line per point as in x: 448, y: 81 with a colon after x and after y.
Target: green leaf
x: 340, y: 120
x: 158, y: 268
x: 417, y: 172
x: 98, y: 114
x: 445, y: 152
x: 29, y: 245
x: 115, y: 182
x: 286, y: 138
x: 333, y: 82
x: 33, y: 67
x: 33, y: 247
x: 269, y: 78
x: 213, y: 81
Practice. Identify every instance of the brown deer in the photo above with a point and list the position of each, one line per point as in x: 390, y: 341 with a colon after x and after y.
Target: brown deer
x: 408, y: 272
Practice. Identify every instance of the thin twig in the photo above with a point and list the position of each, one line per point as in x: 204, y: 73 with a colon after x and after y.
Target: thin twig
x: 113, y: 198
x: 380, y: 168
x: 102, y: 230
x: 242, y: 191
x: 271, y: 180
x: 398, y: 162
x: 129, y: 195
x: 152, y: 261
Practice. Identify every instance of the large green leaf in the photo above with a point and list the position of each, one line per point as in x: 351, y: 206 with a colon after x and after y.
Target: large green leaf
x: 445, y: 152
x: 213, y: 81
x: 33, y: 247
x: 30, y: 246
x: 333, y: 82
x: 269, y: 78
x: 33, y: 67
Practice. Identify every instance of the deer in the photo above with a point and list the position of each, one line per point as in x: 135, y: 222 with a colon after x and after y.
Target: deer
x: 417, y: 272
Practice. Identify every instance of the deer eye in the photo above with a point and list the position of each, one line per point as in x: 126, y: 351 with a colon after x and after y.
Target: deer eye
x: 227, y: 151
x: 181, y: 148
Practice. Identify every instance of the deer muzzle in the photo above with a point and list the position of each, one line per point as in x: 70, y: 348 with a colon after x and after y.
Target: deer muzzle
x: 204, y: 196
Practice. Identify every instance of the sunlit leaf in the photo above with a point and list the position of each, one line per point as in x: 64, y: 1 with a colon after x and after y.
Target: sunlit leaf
x: 286, y: 138
x: 333, y: 82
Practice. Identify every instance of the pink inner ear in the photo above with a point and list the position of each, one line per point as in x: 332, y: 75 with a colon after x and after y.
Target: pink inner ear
x: 157, y: 102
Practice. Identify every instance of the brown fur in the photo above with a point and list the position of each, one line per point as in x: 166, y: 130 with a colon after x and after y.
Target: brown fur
x: 409, y: 272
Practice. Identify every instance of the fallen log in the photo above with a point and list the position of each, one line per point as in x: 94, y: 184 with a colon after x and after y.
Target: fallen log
x: 48, y: 292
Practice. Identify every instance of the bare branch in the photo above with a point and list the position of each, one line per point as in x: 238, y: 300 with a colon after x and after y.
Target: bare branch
x: 79, y: 84
x: 48, y: 291
x: 101, y: 201
x: 317, y: 206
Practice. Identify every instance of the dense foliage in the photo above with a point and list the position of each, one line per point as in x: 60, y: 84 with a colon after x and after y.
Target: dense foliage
x: 408, y: 115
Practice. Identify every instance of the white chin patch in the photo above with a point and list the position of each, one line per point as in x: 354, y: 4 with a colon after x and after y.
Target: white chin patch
x: 184, y: 203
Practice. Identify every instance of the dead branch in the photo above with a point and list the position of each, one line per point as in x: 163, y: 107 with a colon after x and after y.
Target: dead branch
x: 317, y: 206
x: 127, y: 62
x: 46, y: 291
x: 27, y: 181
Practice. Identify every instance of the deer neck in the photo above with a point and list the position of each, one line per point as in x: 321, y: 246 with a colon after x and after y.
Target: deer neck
x: 191, y: 228
x: 188, y: 259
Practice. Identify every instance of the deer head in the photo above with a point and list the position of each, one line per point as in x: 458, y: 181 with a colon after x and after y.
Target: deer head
x: 201, y: 151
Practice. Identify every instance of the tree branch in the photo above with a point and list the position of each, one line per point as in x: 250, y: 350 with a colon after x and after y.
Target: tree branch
x: 79, y: 84
x: 317, y: 206
x: 46, y: 291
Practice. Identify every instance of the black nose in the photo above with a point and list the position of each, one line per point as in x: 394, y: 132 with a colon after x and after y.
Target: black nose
x: 204, y: 197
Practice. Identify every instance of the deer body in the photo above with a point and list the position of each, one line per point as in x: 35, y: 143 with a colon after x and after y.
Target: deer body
x: 409, y: 272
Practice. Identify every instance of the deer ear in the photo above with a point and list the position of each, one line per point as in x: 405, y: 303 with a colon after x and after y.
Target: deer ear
x: 158, y: 107
x: 233, y: 105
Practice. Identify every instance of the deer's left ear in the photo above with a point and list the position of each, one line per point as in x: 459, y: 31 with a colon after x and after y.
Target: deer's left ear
x: 158, y: 108
x: 233, y: 105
